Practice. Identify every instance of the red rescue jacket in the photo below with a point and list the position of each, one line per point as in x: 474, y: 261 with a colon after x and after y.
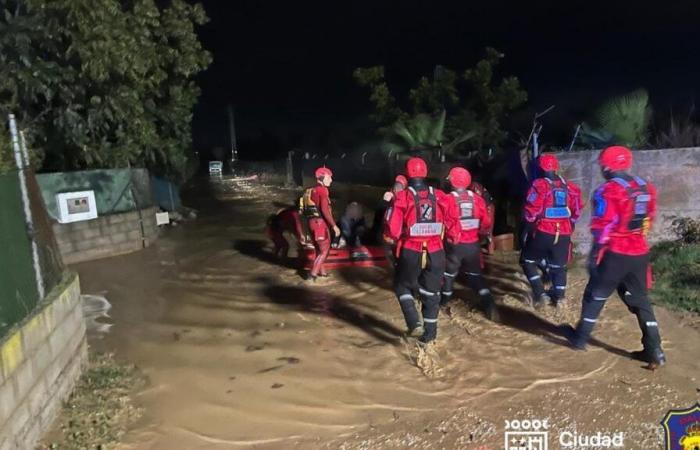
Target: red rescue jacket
x: 624, y: 210
x: 472, y: 216
x: 418, y: 220
x: 553, y: 205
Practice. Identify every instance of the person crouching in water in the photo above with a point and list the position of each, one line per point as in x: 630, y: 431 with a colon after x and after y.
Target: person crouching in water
x: 416, y: 221
x: 315, y: 205
x: 552, y: 207
x: 286, y: 220
x: 464, y: 252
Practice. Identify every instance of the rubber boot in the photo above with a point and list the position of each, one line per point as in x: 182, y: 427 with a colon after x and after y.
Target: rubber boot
x: 543, y: 300
x: 573, y: 336
x: 410, y: 315
x: 431, y: 309
x: 654, y: 357
x: 430, y: 333
x: 445, y: 299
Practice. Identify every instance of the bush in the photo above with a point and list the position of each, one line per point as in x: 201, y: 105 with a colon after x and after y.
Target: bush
x: 677, y: 267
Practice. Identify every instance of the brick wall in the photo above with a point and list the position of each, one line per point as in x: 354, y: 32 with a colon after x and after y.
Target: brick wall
x: 39, y: 364
x: 105, y: 236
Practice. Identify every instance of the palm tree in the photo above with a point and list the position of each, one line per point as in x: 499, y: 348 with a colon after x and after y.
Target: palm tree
x: 621, y: 120
x: 425, y: 132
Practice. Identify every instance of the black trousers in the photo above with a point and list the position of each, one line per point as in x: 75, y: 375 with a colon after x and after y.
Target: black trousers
x: 542, y: 246
x: 410, y: 277
x: 464, y: 258
x: 620, y: 273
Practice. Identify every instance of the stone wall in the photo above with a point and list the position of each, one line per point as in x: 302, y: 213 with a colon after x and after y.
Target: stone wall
x: 675, y: 172
x: 39, y: 364
x: 105, y: 236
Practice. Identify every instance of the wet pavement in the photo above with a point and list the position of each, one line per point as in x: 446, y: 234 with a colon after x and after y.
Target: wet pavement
x: 240, y: 352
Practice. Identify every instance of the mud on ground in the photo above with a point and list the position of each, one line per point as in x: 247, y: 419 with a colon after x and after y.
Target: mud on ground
x: 241, y: 353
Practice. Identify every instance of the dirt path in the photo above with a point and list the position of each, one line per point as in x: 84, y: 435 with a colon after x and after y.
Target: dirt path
x: 240, y: 353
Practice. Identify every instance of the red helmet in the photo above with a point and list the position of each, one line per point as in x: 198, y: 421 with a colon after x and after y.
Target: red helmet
x: 615, y: 158
x: 400, y: 179
x: 416, y: 168
x: 321, y: 171
x: 548, y: 162
x: 459, y: 177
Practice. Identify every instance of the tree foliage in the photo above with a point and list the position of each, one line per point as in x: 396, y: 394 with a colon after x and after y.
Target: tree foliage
x: 474, y: 106
x: 7, y: 161
x: 422, y: 131
x: 102, y: 83
x: 621, y: 120
x: 490, y: 101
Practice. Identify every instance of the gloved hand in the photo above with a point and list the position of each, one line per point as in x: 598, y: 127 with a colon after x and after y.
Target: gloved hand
x: 592, y: 263
x: 528, y: 232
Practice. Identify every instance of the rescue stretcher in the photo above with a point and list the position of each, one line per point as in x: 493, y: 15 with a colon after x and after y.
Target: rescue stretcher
x: 362, y: 256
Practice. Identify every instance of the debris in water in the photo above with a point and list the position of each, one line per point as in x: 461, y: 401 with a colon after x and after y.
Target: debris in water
x: 289, y: 359
x: 254, y: 348
x: 176, y: 336
x: 276, y: 386
x: 270, y: 369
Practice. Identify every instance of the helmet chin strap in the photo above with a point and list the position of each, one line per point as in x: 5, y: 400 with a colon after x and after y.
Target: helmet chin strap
x: 551, y: 174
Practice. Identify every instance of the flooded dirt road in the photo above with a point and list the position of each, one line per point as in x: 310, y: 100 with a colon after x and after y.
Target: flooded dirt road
x: 240, y: 353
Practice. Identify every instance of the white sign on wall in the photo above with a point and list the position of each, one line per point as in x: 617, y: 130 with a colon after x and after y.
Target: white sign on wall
x: 76, y: 206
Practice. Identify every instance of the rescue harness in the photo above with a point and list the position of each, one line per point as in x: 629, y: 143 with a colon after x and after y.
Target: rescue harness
x: 465, y: 202
x: 640, y: 197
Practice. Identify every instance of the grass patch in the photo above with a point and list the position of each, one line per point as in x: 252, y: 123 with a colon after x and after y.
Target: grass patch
x: 100, y: 409
x: 677, y: 273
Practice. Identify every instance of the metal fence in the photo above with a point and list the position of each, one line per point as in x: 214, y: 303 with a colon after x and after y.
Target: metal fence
x: 30, y: 262
x: 116, y: 190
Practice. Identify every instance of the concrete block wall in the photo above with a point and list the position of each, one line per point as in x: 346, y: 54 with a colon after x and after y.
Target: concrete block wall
x: 39, y: 365
x: 675, y: 173
x: 106, y: 236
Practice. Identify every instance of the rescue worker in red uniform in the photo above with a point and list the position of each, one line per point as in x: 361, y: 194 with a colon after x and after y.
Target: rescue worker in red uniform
x: 464, y: 252
x: 316, y: 207
x: 624, y: 208
x: 416, y: 221
x: 552, y: 208
x: 380, y: 218
x: 287, y: 220
x: 478, y: 188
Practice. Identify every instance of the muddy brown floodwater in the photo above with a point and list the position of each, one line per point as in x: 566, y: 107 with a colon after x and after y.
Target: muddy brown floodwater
x: 240, y: 353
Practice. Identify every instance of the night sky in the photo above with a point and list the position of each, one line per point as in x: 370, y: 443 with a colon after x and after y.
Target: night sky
x: 287, y: 66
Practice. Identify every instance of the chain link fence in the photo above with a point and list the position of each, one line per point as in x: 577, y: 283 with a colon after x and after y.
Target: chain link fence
x: 30, y: 262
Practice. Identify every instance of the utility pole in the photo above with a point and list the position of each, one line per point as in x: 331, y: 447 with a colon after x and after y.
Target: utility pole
x: 232, y: 134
